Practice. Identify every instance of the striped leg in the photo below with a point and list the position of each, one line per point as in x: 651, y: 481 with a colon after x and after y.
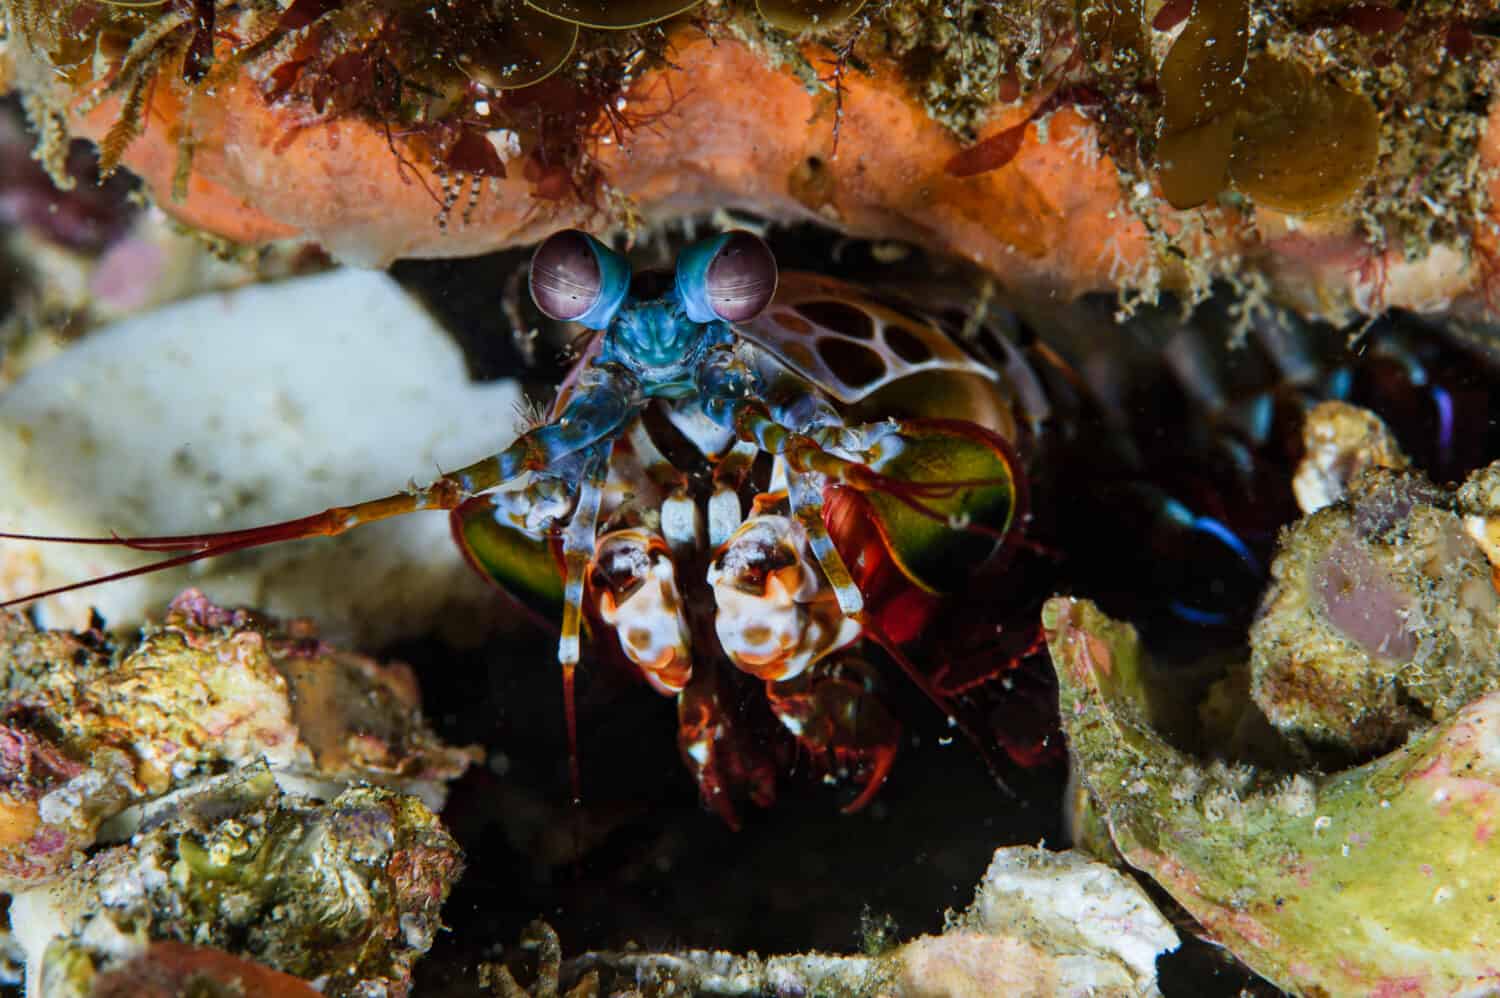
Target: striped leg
x: 724, y: 511
x: 805, y: 493
x: 578, y: 552
x: 731, y: 397
x: 604, y: 401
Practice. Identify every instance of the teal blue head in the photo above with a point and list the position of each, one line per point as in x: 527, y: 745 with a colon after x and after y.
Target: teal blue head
x: 656, y: 321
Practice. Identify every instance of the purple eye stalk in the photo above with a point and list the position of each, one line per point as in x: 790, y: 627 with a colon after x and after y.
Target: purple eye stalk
x: 731, y: 277
x: 576, y: 278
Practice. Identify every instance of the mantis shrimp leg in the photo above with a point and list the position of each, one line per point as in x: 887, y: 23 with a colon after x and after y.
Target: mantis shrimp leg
x: 814, y: 417
x: 578, y: 552
x: 724, y: 512
x: 730, y: 396
x: 730, y: 393
x: 805, y: 493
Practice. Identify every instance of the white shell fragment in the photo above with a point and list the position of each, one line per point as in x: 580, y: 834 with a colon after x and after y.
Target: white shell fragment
x: 1341, y: 442
x: 1081, y: 905
x: 239, y: 409
x: 1044, y: 923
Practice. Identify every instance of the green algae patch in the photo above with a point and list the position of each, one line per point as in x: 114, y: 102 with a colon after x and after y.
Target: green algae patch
x: 1377, y: 878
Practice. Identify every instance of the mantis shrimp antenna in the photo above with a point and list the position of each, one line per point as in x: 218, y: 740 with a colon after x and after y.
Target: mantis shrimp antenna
x: 445, y: 493
x: 595, y: 413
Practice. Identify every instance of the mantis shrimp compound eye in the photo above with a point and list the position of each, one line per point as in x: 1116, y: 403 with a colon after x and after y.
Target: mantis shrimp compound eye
x: 730, y: 277
x: 576, y: 278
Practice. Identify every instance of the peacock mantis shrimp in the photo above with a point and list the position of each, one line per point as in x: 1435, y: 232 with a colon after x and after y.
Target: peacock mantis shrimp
x: 745, y: 475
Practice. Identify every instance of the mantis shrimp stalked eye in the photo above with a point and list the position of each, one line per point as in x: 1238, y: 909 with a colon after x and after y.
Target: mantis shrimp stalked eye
x: 732, y: 277
x: 837, y: 465
x: 576, y: 278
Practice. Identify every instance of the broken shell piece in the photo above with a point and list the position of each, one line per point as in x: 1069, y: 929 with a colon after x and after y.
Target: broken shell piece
x: 1479, y: 502
x: 1341, y: 442
x: 1042, y: 924
x: 1071, y: 926
x: 1371, y: 881
x: 344, y: 894
x: 87, y: 732
x: 1380, y: 618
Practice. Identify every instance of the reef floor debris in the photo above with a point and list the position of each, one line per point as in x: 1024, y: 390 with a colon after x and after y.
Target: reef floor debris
x: 95, y: 734
x: 1349, y: 882
x: 1042, y: 923
x: 236, y: 881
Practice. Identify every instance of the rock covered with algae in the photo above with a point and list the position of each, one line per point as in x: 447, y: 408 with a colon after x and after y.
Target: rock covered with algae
x: 88, y: 729
x: 1380, y: 617
x: 344, y: 895
x: 1478, y: 501
x: 1378, y: 879
x: 1042, y: 923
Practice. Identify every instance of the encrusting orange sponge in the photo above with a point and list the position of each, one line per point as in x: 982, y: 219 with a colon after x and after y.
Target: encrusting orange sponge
x: 1052, y: 191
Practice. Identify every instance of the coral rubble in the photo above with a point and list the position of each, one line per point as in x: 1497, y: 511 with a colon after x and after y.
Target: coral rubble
x: 1042, y: 923
x: 1364, y: 881
x: 1380, y: 617
x: 90, y: 730
x: 344, y: 895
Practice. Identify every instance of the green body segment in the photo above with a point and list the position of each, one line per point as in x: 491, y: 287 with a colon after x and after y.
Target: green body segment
x: 937, y: 554
x: 524, y: 566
